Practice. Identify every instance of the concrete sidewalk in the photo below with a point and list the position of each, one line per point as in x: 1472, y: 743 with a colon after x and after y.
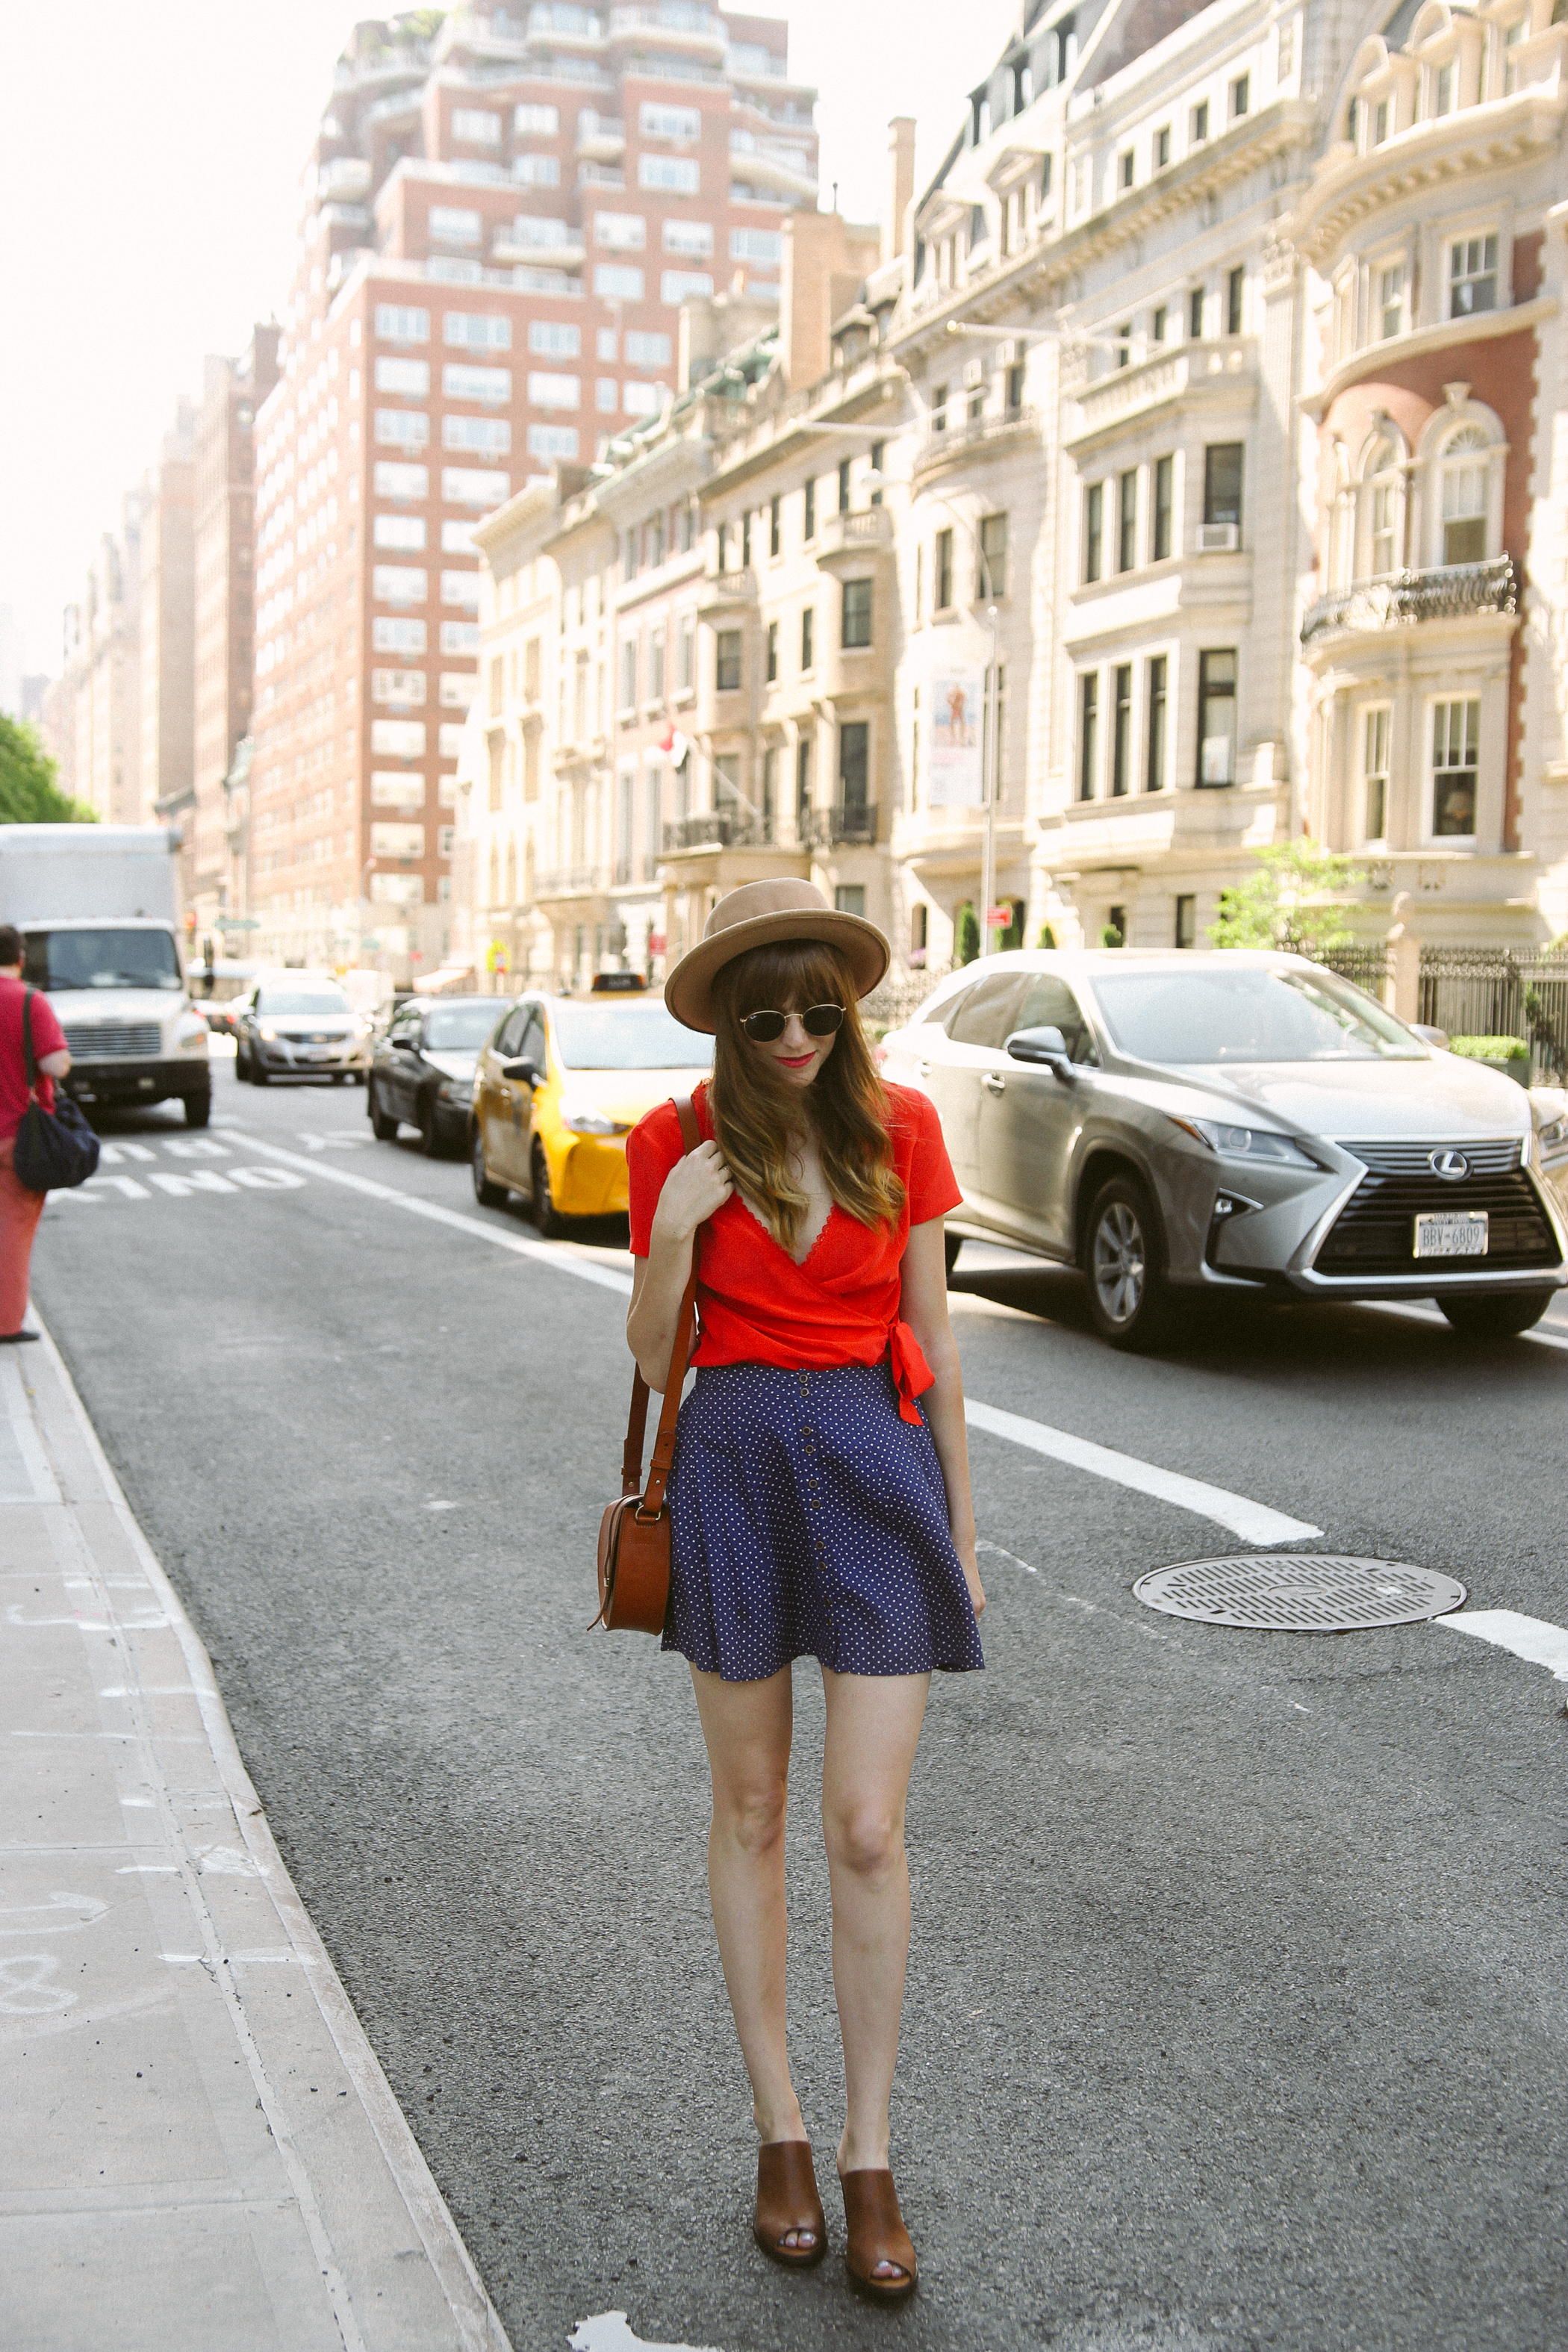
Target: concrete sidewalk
x: 199, y: 2147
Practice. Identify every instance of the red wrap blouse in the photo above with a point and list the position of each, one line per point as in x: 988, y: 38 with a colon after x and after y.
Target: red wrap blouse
x: 755, y: 1306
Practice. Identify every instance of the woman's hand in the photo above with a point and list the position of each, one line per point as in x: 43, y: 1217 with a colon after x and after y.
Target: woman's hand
x: 966, y: 1561
x: 694, y: 1189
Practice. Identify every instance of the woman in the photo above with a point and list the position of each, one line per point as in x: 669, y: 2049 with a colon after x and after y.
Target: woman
x: 818, y: 1509
x: 19, y: 1208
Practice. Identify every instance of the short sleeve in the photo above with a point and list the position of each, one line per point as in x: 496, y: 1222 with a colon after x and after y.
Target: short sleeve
x: 933, y: 1189
x: 653, y: 1147
x: 48, y: 1038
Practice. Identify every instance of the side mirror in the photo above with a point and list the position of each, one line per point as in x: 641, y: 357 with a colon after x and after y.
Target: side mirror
x: 1047, y: 1048
x: 519, y: 1074
x: 1430, y: 1037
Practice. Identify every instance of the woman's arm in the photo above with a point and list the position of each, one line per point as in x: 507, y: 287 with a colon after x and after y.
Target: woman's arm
x: 55, y: 1066
x: 924, y: 1309
x: 694, y: 1188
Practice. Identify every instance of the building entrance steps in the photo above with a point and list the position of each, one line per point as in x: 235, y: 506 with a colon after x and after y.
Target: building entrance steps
x: 200, y: 2148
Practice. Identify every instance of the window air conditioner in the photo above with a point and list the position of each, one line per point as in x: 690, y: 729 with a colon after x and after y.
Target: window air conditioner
x: 1218, y: 538
x: 974, y: 373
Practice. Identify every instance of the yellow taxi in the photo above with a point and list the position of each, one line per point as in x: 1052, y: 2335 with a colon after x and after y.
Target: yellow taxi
x: 560, y: 1086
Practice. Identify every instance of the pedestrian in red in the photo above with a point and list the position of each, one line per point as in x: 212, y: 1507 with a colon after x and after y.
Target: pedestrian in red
x: 820, y: 1502
x: 20, y: 1209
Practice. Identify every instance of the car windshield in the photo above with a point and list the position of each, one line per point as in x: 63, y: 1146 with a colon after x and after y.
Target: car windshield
x: 459, y: 1028
x: 1248, y: 1015
x: 101, y: 960
x: 311, y: 1003
x: 627, y: 1037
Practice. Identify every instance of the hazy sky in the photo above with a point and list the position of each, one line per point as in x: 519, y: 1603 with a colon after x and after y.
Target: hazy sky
x: 148, y: 189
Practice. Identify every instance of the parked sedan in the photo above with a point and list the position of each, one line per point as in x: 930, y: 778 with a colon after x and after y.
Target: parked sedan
x: 422, y: 1072
x: 298, y: 1025
x: 558, y: 1090
x: 1233, y: 1120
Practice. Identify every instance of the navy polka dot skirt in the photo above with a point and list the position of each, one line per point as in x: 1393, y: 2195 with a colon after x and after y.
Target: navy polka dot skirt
x: 810, y: 1521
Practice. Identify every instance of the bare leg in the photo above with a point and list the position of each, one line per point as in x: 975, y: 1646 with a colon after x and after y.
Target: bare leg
x: 873, y: 1728
x: 748, y: 1727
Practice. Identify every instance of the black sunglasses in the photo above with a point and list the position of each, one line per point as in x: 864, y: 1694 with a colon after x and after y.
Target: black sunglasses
x: 766, y: 1028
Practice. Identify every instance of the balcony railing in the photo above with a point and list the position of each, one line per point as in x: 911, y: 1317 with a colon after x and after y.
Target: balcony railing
x: 854, y: 534
x: 977, y: 436
x: 720, y: 829
x: 826, y: 828
x: 568, y: 881
x: 1454, y: 592
x: 727, y: 589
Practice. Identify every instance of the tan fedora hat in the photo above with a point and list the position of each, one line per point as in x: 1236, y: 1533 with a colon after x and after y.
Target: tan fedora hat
x: 757, y: 915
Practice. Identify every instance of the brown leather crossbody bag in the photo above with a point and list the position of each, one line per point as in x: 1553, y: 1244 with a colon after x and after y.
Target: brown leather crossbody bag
x: 635, y: 1532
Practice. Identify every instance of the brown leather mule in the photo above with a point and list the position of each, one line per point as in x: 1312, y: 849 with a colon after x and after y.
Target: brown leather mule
x: 877, y: 2234
x: 786, y: 2201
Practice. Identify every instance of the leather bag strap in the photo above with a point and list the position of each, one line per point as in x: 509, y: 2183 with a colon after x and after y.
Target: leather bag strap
x: 637, y: 1420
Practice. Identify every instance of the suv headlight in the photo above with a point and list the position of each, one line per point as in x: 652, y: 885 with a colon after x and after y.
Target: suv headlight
x: 267, y: 1031
x: 1245, y: 1143
x: 586, y: 1118
x: 1554, y: 1138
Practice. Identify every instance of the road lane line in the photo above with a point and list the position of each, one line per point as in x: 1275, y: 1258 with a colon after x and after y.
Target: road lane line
x: 1434, y: 1315
x: 1252, y: 1521
x: 1530, y: 1638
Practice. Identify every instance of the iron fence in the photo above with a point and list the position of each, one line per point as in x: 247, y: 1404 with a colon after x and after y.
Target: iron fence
x: 1501, y: 992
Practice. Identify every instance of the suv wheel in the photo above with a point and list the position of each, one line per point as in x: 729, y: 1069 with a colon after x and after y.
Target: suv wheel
x: 198, y: 1109
x: 258, y: 1072
x: 383, y: 1126
x: 488, y: 1195
x: 429, y: 1131
x: 1128, y: 1295
x: 551, y: 1225
x: 1498, y: 1315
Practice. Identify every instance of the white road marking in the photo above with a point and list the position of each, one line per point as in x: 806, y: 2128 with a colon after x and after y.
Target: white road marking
x: 1254, y: 1522
x: 200, y: 1180
x: 1531, y: 1638
x: 610, y: 2331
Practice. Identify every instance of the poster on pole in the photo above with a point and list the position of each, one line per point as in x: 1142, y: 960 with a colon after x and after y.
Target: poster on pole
x: 957, y: 737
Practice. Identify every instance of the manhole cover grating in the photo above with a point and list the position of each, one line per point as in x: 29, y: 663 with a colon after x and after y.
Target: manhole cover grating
x: 1299, y: 1591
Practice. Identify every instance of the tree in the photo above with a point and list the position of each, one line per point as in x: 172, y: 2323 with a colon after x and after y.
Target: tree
x: 965, y: 933
x: 28, y: 793
x: 1289, y: 901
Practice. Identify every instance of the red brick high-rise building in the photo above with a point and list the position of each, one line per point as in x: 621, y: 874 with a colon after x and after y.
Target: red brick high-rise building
x: 501, y: 217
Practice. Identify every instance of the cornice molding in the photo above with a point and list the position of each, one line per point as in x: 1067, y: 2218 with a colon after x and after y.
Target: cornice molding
x: 1458, y: 334
x: 1478, y: 139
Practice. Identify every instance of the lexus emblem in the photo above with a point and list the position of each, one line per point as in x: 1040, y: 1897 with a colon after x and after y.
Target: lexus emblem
x: 1450, y: 1165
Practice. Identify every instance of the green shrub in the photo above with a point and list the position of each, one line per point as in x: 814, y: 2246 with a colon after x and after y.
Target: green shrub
x: 1047, y: 938
x: 966, y: 933
x: 1489, y: 1049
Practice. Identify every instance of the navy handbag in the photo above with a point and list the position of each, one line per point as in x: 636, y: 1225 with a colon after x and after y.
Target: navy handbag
x: 54, y: 1149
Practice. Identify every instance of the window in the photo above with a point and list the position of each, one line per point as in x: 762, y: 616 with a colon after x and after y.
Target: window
x: 1014, y: 389
x: 398, y: 685
x: 772, y: 651
x: 728, y: 673
x: 776, y: 526
x: 671, y: 175
x: 553, y: 339
x: 399, y: 583
x: 1472, y: 278
x: 474, y: 485
x: 394, y: 481
x: 939, y: 409
x: 941, y: 572
x: 628, y: 677
x: 1164, y: 494
x: 554, y: 390
x: 485, y: 437
x: 1127, y: 520
x: 395, y: 788
x: 401, y: 739
x: 1121, y: 732
x: 454, y: 225
x: 764, y: 245
x: 1391, y: 300
x: 1124, y: 344
x: 1161, y: 147
x: 685, y: 654
x: 484, y: 384
x: 844, y: 486
x: 1222, y: 482
x: 1187, y: 922
x: 807, y: 637
x: 1465, y: 471
x: 1456, y: 733
x: 475, y: 330
x: 802, y: 778
x: 850, y: 897
x: 656, y: 662
x: 620, y: 232
x: 395, y: 324
x: 460, y: 588
x: 537, y: 171
x: 993, y: 554
x: 1382, y: 499
x: 854, y: 769
x: 1159, y: 325
x: 694, y: 238
x: 1195, y: 314
x: 810, y: 526
x: 670, y: 122
x: 1443, y: 90
x: 1217, y: 718
x: 613, y: 282
x: 553, y: 441
x: 1375, y: 786
x: 1200, y: 123
x: 1154, y: 724
x: 645, y: 351
x: 397, y: 637
x: 1124, y: 168
x: 678, y: 285
x: 460, y: 636
x: 402, y: 428
x: 606, y: 396
x: 1093, y: 529
x: 1235, y: 288
x: 1240, y: 96
x: 857, y: 614
x: 404, y: 533
x: 641, y: 399
x: 1088, y: 732
x: 539, y: 121
x: 411, y: 377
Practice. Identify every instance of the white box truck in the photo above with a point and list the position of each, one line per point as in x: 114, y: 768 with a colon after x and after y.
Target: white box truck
x: 96, y: 906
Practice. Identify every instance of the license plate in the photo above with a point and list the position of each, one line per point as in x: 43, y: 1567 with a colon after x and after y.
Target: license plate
x: 1445, y: 1235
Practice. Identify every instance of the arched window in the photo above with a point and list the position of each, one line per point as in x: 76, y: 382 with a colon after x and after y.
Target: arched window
x: 1465, y: 470
x: 1383, y: 539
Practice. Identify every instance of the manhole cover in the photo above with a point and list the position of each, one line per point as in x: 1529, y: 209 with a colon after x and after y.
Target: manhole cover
x: 1299, y: 1591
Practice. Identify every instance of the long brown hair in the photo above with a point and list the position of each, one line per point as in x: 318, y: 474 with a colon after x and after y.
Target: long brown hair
x: 757, y: 1115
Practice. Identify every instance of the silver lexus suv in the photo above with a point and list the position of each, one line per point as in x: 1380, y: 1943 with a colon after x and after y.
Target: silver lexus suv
x: 1231, y: 1120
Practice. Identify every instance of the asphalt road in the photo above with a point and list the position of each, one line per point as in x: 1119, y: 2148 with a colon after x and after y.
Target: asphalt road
x: 1236, y: 2013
